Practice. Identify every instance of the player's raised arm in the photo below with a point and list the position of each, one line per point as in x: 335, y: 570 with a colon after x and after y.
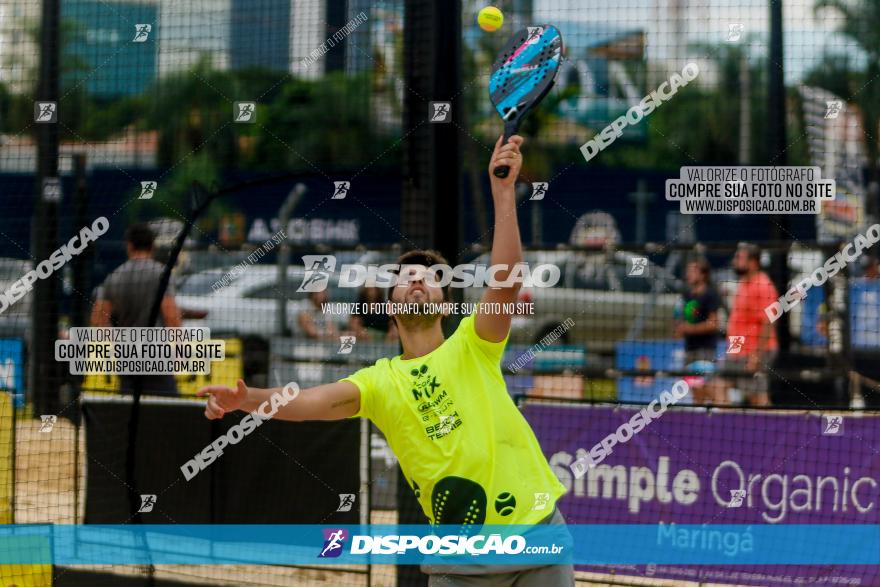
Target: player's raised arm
x: 333, y: 401
x: 506, y: 245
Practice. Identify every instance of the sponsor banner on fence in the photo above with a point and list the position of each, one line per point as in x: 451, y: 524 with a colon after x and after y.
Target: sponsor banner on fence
x: 12, y: 368
x: 760, y: 471
x: 231, y: 368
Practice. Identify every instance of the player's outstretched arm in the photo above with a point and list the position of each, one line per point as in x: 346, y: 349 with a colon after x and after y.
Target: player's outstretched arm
x: 333, y: 401
x: 506, y: 244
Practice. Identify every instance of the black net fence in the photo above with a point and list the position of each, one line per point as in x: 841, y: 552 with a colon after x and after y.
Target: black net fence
x: 260, y: 143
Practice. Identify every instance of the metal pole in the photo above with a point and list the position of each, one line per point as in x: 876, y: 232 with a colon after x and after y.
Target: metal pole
x: 284, y: 213
x: 745, y: 109
x: 432, y: 49
x: 82, y: 263
x: 44, y: 227
x: 81, y: 269
x: 776, y: 116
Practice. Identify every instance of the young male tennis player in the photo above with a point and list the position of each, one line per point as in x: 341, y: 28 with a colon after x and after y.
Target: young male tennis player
x: 465, y: 449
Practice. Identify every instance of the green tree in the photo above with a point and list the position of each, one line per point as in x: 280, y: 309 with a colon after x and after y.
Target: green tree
x: 322, y: 124
x: 860, y: 23
x: 700, y: 125
x: 835, y: 73
x: 173, y: 193
x: 193, y: 112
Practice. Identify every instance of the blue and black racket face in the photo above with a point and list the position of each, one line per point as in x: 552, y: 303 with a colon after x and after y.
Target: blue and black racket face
x: 525, y: 71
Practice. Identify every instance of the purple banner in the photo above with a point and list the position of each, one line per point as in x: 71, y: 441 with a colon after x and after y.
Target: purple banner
x: 690, y: 466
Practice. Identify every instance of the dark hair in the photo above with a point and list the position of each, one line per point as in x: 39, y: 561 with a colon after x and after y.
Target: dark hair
x: 703, y: 265
x: 426, y: 257
x: 140, y: 237
x: 752, y: 250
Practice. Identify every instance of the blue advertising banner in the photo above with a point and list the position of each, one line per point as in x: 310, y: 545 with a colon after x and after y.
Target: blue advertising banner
x: 864, y: 320
x: 12, y: 368
x: 593, y: 544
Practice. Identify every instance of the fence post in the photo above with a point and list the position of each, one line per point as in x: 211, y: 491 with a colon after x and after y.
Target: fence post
x: 44, y: 228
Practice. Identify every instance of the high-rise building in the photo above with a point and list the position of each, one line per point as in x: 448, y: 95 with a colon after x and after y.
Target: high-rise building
x: 192, y: 31
x: 108, y: 48
x: 259, y: 34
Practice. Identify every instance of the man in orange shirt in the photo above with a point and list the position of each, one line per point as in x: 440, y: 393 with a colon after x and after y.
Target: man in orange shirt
x: 752, y: 345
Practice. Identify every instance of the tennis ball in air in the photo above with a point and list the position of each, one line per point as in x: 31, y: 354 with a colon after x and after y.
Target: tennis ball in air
x: 490, y: 19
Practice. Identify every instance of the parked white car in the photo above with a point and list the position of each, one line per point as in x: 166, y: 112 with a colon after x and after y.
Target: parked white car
x: 248, y: 305
x: 596, y: 291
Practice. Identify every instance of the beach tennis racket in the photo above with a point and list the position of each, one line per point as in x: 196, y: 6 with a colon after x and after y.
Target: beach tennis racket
x: 522, y: 75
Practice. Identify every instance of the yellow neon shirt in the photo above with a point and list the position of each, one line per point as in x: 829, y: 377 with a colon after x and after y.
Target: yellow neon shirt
x: 465, y: 448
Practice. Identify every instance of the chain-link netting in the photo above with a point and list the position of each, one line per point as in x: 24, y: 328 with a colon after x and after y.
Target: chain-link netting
x: 249, y: 169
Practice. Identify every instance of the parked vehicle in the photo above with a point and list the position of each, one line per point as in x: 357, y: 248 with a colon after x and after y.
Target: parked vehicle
x: 15, y: 319
x: 248, y: 305
x: 596, y: 291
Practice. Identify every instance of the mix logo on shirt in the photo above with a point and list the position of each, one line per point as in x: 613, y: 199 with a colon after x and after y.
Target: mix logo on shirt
x: 425, y: 386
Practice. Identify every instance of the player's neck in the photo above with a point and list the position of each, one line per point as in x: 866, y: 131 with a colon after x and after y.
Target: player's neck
x: 419, y: 342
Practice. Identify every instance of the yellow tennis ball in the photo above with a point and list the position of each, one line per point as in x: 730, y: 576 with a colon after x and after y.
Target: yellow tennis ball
x: 490, y: 19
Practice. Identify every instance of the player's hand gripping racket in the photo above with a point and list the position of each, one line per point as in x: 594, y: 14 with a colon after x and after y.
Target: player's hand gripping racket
x: 522, y: 75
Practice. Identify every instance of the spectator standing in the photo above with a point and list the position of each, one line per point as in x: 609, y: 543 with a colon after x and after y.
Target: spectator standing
x: 698, y: 321
x: 126, y: 297
x: 313, y: 321
x: 752, y: 343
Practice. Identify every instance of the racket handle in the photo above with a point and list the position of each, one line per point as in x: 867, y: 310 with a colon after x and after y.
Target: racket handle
x: 502, y: 171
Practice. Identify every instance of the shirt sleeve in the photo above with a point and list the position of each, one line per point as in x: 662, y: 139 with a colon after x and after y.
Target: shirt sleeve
x: 492, y: 350
x: 365, y: 380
